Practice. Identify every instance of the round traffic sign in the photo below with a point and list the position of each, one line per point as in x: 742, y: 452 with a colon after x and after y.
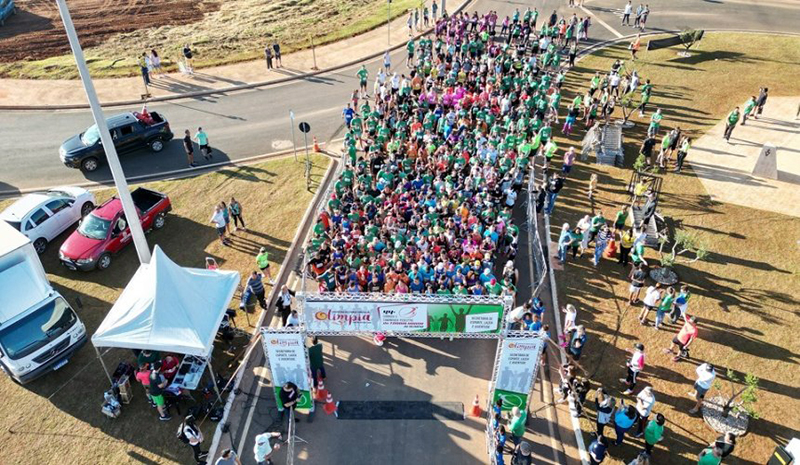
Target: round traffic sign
x: 305, y: 127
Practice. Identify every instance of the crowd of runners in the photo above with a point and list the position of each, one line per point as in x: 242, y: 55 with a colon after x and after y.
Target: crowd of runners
x: 436, y: 157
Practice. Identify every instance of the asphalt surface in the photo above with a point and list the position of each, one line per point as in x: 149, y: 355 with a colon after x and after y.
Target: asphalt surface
x: 255, y: 122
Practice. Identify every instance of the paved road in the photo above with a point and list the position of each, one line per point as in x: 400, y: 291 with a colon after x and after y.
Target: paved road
x: 255, y: 122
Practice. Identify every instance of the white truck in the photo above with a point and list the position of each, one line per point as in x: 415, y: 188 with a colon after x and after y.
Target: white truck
x: 39, y: 331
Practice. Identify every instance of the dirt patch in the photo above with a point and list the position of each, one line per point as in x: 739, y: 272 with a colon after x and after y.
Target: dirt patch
x: 36, y: 32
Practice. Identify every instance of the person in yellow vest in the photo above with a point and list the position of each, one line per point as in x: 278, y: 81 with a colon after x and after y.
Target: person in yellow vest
x: 262, y: 260
x: 625, y: 246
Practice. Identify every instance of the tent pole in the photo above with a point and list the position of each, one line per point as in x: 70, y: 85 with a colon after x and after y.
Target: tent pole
x: 214, y: 380
x: 100, y: 357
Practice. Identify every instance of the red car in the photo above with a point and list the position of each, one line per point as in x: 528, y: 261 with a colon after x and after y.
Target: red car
x: 104, y: 232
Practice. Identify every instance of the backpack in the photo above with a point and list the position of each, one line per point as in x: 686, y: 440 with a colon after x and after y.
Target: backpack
x: 181, y: 434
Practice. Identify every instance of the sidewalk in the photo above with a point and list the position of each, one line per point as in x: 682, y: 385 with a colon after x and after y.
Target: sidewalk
x: 43, y: 93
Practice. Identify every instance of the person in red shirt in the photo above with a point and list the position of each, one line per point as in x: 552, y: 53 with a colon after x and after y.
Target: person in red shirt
x: 685, y: 337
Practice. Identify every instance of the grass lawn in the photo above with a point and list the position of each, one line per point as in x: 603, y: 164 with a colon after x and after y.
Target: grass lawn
x: 744, y: 294
x: 232, y: 31
x: 57, y: 418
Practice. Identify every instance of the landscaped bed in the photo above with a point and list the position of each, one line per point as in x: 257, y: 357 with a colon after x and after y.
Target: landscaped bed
x: 57, y: 418
x: 744, y: 293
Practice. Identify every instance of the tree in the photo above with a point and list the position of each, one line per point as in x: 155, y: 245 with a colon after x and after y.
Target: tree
x: 685, y: 242
x: 748, y: 393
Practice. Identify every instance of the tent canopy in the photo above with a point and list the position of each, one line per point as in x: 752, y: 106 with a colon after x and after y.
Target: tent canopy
x: 166, y: 307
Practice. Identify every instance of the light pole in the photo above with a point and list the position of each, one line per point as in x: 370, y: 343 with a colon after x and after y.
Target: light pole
x: 128, y: 207
x: 389, y: 23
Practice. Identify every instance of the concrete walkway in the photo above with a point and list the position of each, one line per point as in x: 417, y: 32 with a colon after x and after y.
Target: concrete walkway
x: 725, y: 168
x: 25, y: 92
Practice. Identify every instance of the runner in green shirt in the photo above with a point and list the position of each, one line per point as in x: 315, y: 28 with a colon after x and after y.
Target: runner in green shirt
x: 362, y: 74
x: 730, y: 123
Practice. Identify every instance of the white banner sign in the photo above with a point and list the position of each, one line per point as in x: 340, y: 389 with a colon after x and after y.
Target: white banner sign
x: 518, y: 362
x: 403, y: 317
x: 287, y: 359
x: 341, y: 316
x: 481, y: 322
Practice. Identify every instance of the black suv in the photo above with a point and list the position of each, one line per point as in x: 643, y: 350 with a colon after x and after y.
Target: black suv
x: 85, y: 150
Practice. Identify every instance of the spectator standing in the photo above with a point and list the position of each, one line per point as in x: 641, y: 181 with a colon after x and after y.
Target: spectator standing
x: 684, y: 338
x: 725, y: 443
x: 284, y: 303
x: 144, y: 68
x: 553, y: 188
x: 268, y: 56
x: 289, y: 396
x: 188, y: 58
x: 155, y: 61
x: 235, y: 210
x: 637, y: 276
x: 645, y: 401
x: 634, y: 366
x: 705, y: 379
x: 522, y: 454
x: 682, y: 152
x: 228, y: 457
x: 226, y: 215
x: 143, y: 376
x: 194, y: 437
x: 597, y: 450
x: 665, y: 306
x: 188, y: 146
x: 256, y: 287
x: 654, y: 433
x: 517, y: 424
x: 263, y: 449
x: 651, y: 298
x: 626, y: 14
x: 157, y: 384
x: 761, y: 101
x: 710, y: 456
x: 623, y: 421
x: 202, y: 140
x: 276, y: 47
x: 577, y: 342
x: 730, y: 123
x: 218, y: 220
x: 605, y: 410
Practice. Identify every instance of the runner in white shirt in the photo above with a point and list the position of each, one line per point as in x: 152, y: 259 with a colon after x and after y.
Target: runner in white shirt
x: 645, y: 401
x: 705, y: 379
x: 651, y: 298
x: 263, y: 449
x: 570, y: 316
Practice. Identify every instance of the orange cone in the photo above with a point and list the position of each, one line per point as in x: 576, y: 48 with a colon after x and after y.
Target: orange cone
x: 329, y: 407
x: 322, y: 393
x: 316, y: 145
x: 476, y: 407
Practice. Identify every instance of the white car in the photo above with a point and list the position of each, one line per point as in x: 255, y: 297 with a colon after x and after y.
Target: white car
x: 42, y: 216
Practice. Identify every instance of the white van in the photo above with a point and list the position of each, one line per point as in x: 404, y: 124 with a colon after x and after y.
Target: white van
x: 39, y: 331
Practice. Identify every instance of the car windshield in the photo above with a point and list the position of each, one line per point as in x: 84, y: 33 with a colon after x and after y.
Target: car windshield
x: 91, y: 136
x: 37, y: 329
x: 94, y: 227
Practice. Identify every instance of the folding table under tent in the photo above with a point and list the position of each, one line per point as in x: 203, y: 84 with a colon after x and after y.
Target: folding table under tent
x: 168, y: 308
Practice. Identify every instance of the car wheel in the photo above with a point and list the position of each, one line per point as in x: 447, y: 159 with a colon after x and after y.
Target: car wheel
x: 90, y: 164
x: 40, y: 245
x: 86, y: 209
x: 104, y: 261
x: 157, y: 145
x: 159, y: 221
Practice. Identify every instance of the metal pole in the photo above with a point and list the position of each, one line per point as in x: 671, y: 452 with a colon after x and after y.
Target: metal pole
x: 100, y: 357
x: 305, y: 138
x: 294, y: 141
x: 313, y: 53
x: 444, y: 7
x: 214, y: 380
x: 121, y: 183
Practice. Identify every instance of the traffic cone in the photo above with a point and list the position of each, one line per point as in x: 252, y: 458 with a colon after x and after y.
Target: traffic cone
x: 322, y: 393
x: 611, y: 250
x: 476, y: 407
x: 316, y: 145
x: 329, y: 407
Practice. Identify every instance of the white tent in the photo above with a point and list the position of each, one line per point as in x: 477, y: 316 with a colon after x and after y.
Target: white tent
x: 169, y: 308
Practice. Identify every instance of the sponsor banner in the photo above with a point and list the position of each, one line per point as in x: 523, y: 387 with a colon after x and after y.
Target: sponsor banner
x: 519, y: 359
x: 464, y: 318
x: 510, y: 399
x: 342, y: 316
x: 403, y: 317
x: 287, y: 363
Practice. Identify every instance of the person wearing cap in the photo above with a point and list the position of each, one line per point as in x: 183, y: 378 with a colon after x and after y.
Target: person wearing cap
x: 263, y: 449
x: 522, y: 454
x: 634, y: 365
x: 262, y: 260
x: 228, y: 457
x: 645, y: 401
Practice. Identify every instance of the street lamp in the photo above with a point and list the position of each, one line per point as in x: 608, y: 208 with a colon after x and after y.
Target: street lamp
x: 131, y: 214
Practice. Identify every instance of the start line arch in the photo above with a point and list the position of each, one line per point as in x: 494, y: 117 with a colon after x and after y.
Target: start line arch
x: 516, y: 359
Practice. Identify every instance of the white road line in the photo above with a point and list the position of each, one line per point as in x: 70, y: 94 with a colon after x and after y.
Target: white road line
x: 602, y: 23
x: 261, y: 383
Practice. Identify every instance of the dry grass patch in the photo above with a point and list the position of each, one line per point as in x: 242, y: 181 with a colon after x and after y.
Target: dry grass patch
x: 57, y: 418
x: 745, y: 294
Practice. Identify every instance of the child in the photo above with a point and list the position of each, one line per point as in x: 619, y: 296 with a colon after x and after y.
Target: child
x: 592, y: 185
x: 570, y: 315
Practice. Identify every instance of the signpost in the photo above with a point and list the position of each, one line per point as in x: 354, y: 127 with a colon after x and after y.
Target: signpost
x: 305, y: 128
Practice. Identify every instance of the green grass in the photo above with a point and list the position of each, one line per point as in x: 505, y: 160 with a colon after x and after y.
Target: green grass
x: 57, y: 418
x: 744, y: 294
x: 236, y: 32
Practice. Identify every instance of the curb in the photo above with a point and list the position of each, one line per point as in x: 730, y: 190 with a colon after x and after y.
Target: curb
x: 225, y: 90
x: 280, y: 279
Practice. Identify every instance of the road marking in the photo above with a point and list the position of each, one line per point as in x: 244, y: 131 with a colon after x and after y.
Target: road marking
x: 602, y: 23
x: 261, y: 381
